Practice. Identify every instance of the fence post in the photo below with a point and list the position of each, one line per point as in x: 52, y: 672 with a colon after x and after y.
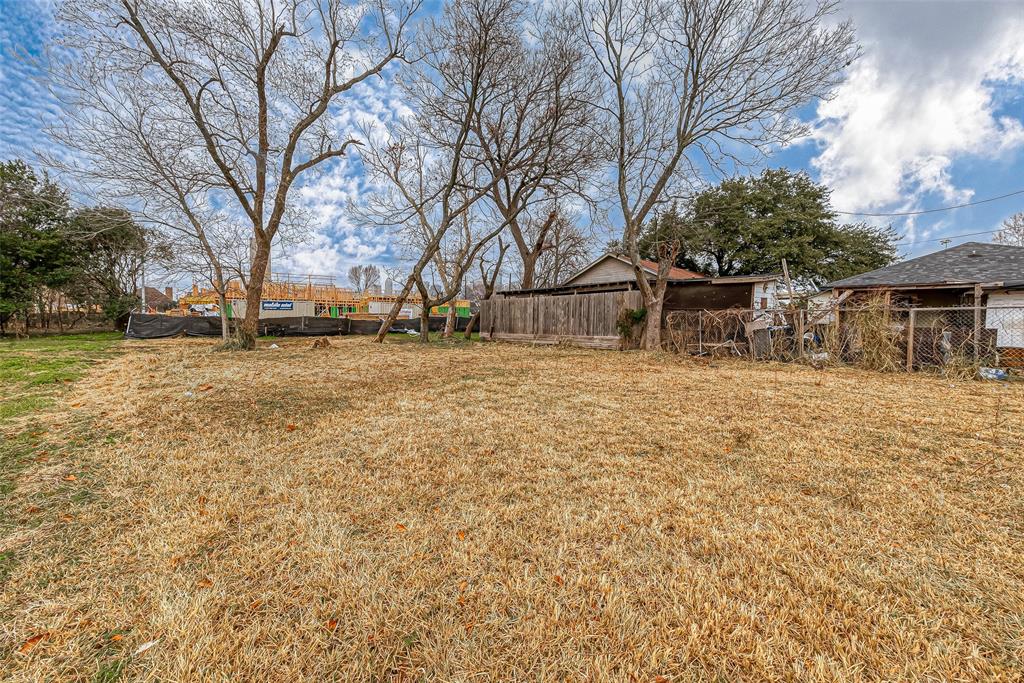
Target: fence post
x: 800, y: 333
x: 977, y: 323
x: 911, y: 324
x: 700, y: 333
x: 751, y: 332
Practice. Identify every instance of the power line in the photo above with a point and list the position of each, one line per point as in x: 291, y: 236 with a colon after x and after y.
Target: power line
x: 948, y: 237
x: 936, y: 210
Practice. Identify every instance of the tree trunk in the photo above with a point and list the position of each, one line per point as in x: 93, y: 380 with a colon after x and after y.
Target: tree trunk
x: 425, y: 322
x: 652, y: 323
x: 396, y: 308
x: 471, y: 324
x: 225, y: 326
x: 449, y: 323
x: 248, y: 331
x: 529, y: 260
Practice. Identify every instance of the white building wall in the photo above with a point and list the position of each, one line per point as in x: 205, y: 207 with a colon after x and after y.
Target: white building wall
x: 1005, y: 314
x: 409, y: 310
x: 300, y: 309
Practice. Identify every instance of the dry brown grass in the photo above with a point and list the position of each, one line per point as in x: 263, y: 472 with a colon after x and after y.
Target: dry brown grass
x: 497, y: 512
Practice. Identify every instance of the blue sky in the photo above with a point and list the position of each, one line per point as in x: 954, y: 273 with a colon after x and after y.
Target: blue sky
x: 931, y: 116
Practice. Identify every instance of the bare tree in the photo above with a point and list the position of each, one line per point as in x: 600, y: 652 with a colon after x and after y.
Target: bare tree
x: 490, y: 271
x: 131, y: 152
x: 545, y: 114
x: 429, y: 165
x: 255, y: 83
x: 1012, y: 231
x: 701, y: 83
x: 212, y: 250
x: 566, y: 251
x: 363, y: 278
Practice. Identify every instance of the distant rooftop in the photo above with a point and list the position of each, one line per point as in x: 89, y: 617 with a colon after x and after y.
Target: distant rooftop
x: 970, y: 263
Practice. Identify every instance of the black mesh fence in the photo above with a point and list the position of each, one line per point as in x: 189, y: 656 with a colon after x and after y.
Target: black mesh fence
x: 151, y: 326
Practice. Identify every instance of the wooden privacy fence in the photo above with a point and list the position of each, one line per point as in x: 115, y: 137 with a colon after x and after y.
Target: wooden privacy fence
x: 581, y: 319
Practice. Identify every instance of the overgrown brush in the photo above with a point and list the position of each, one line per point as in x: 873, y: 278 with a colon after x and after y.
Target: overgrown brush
x: 877, y: 339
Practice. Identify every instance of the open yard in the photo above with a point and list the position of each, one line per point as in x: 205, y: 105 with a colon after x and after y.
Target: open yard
x: 497, y: 512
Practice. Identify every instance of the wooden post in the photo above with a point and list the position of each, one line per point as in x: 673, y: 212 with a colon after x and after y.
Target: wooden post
x: 799, y: 332
x: 700, y: 333
x: 911, y: 323
x: 977, y: 323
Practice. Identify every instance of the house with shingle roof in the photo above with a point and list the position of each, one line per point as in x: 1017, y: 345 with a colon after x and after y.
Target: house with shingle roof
x: 687, y: 290
x: 970, y: 274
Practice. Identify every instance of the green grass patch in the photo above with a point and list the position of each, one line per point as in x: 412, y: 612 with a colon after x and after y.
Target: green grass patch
x: 23, y: 405
x: 110, y: 671
x: 62, y: 343
x: 457, y: 339
x: 6, y: 565
x: 34, y: 373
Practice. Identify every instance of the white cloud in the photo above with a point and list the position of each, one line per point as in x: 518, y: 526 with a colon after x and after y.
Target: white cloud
x: 337, y: 242
x: 924, y: 94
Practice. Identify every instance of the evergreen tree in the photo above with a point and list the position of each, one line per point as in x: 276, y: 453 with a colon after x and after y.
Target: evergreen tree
x: 35, y: 252
x: 747, y: 225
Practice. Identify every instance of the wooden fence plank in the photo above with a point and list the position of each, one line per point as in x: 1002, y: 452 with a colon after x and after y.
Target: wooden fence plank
x: 584, y: 319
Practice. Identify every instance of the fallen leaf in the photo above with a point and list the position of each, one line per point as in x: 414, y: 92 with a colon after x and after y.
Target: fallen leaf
x: 205, y: 387
x: 27, y: 646
x: 660, y: 679
x: 204, y: 583
x: 146, y: 646
x: 67, y: 518
x: 400, y: 527
x: 559, y: 580
x: 462, y: 535
x: 290, y: 427
x: 76, y: 405
x: 463, y: 586
x: 332, y: 624
x: 256, y: 604
x: 70, y: 477
x: 32, y: 509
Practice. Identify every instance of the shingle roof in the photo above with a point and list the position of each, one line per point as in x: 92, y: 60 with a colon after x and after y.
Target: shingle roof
x: 154, y: 297
x: 673, y: 272
x: 973, y: 262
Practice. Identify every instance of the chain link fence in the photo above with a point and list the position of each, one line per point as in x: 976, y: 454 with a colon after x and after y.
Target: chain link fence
x: 958, y: 341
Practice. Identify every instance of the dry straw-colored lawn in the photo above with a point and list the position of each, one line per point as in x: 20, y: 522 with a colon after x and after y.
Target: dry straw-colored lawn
x: 498, y: 512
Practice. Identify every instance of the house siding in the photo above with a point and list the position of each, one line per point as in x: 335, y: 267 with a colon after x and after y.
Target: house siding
x: 609, y: 269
